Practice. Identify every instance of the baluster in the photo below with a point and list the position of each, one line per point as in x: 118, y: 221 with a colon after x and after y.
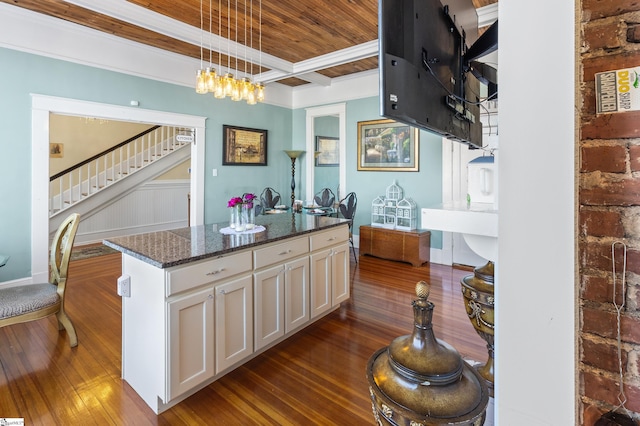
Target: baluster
x: 129, y: 156
x: 96, y: 173
x: 88, y: 179
x: 79, y: 185
x: 61, y: 198
x: 71, y: 189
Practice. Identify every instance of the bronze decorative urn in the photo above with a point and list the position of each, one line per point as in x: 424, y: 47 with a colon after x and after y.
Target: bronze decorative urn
x: 477, y: 291
x: 421, y: 380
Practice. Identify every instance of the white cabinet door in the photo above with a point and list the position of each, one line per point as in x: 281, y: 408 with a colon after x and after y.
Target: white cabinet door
x: 340, y: 274
x: 320, y: 270
x: 190, y: 341
x: 233, y: 322
x: 296, y: 294
x: 269, y: 299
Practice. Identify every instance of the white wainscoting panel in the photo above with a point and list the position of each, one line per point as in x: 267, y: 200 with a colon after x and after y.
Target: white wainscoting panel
x: 155, y: 206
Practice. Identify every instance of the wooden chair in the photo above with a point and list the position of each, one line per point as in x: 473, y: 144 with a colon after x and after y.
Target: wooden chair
x: 325, y: 198
x: 347, y: 209
x: 30, y: 302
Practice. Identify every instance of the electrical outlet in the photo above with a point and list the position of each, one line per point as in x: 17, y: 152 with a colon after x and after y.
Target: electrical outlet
x: 124, y: 286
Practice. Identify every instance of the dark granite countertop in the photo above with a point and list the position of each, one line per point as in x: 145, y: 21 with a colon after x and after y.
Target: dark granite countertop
x: 179, y: 246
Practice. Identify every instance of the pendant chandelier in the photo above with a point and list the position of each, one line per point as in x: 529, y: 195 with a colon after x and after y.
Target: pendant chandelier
x: 227, y: 85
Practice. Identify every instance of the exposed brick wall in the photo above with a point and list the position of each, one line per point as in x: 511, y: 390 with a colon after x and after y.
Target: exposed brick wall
x: 609, y: 211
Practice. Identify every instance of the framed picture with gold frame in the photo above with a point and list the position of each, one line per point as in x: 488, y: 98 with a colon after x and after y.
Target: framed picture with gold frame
x: 387, y: 145
x: 242, y: 146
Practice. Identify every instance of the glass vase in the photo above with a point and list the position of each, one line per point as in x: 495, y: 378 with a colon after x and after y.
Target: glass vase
x: 233, y: 214
x: 240, y: 218
x: 250, y: 216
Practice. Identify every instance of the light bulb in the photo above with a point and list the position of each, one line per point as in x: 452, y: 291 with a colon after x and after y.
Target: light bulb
x: 251, y: 97
x: 236, y: 93
x: 260, y: 90
x: 201, y: 85
x: 228, y: 84
x: 246, y: 87
x: 219, y: 92
x: 210, y: 76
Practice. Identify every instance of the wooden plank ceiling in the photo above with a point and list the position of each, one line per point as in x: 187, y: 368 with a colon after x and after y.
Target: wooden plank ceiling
x: 294, y: 31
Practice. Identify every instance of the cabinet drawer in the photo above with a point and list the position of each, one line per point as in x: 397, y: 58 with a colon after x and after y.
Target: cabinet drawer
x: 281, y: 252
x: 329, y: 238
x: 186, y: 277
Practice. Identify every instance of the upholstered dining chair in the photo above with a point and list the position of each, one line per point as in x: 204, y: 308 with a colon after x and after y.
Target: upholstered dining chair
x: 347, y: 209
x: 269, y: 198
x: 324, y: 198
x: 30, y: 302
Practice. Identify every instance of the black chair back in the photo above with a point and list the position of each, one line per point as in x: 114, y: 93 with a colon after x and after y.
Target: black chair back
x: 325, y: 198
x: 347, y: 209
x: 348, y: 206
x: 269, y: 198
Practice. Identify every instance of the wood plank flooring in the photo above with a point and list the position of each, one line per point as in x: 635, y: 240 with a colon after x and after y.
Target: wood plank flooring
x: 315, y: 377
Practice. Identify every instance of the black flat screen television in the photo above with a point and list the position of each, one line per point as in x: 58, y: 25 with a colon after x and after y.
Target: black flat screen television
x: 425, y: 67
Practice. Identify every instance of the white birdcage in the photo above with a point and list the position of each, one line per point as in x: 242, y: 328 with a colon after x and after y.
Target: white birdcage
x: 377, y: 212
x: 394, y: 192
x: 394, y: 211
x: 406, y: 215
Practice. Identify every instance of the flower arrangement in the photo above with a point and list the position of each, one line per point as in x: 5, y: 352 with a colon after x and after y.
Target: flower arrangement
x: 246, y: 200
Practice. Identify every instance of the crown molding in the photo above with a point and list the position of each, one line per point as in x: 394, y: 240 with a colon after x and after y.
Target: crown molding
x: 487, y: 15
x: 46, y: 36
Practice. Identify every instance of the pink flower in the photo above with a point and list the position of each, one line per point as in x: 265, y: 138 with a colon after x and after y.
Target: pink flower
x: 245, y: 200
x: 234, y: 201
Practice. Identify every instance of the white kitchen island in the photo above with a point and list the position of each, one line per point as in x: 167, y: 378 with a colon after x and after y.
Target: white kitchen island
x: 200, y: 303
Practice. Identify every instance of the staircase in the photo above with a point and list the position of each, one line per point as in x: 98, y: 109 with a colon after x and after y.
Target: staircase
x: 112, y: 174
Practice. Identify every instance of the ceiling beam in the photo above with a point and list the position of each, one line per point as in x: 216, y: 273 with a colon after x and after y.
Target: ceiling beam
x: 306, y: 69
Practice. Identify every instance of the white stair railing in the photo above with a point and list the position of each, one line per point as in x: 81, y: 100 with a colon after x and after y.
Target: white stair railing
x: 89, y: 177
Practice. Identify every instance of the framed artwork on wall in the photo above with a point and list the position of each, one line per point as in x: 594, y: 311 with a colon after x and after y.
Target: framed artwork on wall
x: 242, y: 146
x: 327, y: 151
x: 387, y: 145
x: 56, y: 150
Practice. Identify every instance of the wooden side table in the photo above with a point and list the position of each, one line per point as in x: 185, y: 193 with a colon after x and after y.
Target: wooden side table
x: 404, y: 246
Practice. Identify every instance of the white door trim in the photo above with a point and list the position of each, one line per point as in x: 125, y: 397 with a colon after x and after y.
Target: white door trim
x: 41, y: 107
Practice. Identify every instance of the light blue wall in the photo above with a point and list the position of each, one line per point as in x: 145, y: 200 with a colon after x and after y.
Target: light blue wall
x: 326, y: 176
x: 23, y: 74
x: 424, y: 186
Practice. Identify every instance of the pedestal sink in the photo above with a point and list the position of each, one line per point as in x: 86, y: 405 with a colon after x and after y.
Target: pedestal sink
x: 477, y: 222
x: 479, y: 225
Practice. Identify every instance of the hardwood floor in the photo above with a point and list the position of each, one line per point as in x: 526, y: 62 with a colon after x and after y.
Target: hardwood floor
x: 315, y: 377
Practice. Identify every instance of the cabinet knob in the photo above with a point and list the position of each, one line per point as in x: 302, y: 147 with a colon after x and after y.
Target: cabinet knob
x: 210, y: 296
x: 222, y: 291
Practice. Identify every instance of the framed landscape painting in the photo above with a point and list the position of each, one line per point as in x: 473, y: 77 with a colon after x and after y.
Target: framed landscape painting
x: 242, y: 146
x: 387, y: 145
x: 327, y: 151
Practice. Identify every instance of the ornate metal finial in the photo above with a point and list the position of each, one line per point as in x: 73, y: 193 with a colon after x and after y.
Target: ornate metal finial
x: 422, y: 289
